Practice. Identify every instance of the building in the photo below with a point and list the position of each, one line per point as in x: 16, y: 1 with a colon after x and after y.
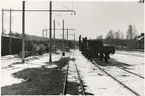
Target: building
x: 139, y: 41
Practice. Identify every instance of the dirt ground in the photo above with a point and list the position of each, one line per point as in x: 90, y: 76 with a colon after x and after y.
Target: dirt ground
x: 40, y: 81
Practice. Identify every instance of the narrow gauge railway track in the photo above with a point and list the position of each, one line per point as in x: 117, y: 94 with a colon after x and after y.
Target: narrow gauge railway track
x: 66, y: 78
x: 121, y: 83
x: 126, y: 71
x: 131, y: 72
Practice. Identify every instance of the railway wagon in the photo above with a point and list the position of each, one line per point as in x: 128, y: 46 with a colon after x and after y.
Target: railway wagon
x: 16, y: 45
x: 96, y: 49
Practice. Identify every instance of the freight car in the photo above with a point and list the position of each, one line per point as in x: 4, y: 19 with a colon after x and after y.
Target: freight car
x: 95, y: 49
x: 16, y: 45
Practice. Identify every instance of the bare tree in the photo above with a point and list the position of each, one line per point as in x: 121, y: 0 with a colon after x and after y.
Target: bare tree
x: 135, y: 33
x: 100, y: 37
x: 122, y: 35
x: 130, y: 34
x: 110, y: 35
x: 117, y: 35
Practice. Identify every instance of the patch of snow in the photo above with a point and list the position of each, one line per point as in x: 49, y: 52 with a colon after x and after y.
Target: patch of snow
x: 132, y: 81
x: 97, y: 82
x: 72, y: 74
x: 51, y: 66
x: 8, y: 79
x: 10, y: 66
x: 132, y: 53
x: 137, y: 63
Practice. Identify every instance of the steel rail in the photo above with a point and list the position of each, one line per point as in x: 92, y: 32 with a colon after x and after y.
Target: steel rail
x: 129, y: 72
x: 83, y: 92
x: 132, y: 73
x: 131, y: 90
x: 65, y: 82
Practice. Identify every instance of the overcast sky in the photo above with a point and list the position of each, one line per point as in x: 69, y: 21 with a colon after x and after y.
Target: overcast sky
x: 93, y: 18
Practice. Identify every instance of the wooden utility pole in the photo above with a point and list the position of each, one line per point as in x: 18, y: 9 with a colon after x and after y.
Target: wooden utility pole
x: 2, y: 22
x: 67, y: 37
x: 54, y: 35
x: 23, y: 32
x: 63, y: 53
x: 2, y: 32
x: 80, y: 42
x: 43, y: 33
x: 10, y: 43
x: 74, y: 39
x: 46, y: 33
x: 50, y: 19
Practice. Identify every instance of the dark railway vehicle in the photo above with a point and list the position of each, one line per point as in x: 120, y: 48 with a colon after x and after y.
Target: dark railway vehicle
x: 95, y: 49
x: 16, y: 45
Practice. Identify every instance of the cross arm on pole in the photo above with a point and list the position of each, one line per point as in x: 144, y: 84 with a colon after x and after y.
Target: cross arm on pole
x: 17, y: 10
x: 60, y: 29
x: 66, y: 34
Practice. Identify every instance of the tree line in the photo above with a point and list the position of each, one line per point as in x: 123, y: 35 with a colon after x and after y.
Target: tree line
x: 130, y: 34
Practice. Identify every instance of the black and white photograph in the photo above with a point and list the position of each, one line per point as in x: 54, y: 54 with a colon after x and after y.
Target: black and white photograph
x: 73, y: 47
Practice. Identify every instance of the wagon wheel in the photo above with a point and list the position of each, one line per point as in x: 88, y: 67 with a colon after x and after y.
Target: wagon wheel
x: 106, y: 59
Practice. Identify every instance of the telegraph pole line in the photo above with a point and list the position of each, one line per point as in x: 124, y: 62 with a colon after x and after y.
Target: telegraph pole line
x: 50, y: 19
x: 43, y: 34
x: 54, y: 36
x: 46, y: 33
x: 67, y: 37
x: 2, y: 31
x: 74, y: 39
x: 80, y: 42
x: 2, y: 21
x: 23, y: 24
x: 63, y: 54
x: 10, y: 50
x: 23, y: 32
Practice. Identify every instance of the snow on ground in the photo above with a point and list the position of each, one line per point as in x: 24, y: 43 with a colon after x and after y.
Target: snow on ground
x: 11, y: 64
x: 9, y: 59
x: 137, y: 62
x: 132, y: 81
x: 97, y: 82
x: 72, y: 74
x: 133, y: 53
